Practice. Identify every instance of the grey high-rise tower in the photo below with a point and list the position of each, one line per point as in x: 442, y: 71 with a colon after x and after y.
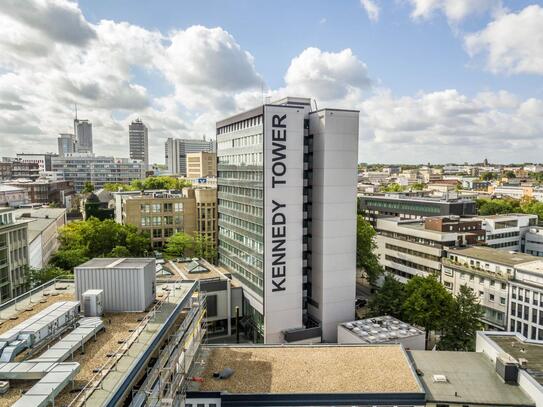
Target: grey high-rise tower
x: 66, y: 144
x: 177, y: 149
x: 83, y: 135
x: 138, y: 142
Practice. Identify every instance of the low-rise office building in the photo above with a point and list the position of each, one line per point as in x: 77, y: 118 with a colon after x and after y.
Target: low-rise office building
x: 45, y: 191
x: 13, y: 255
x: 533, y: 241
x: 407, y: 248
x: 526, y: 304
x: 375, y: 206
x: 507, y: 231
x: 202, y: 164
x: 13, y: 196
x: 43, y: 160
x: 488, y: 272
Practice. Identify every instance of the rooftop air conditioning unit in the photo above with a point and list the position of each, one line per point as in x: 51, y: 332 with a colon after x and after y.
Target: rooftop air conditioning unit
x: 93, y: 303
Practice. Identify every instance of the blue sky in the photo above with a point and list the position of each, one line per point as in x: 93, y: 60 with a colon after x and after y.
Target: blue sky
x: 434, y: 80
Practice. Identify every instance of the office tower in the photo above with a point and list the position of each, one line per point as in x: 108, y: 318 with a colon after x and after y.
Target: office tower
x: 177, y: 149
x: 201, y: 165
x: 287, y: 216
x: 138, y: 142
x: 83, y: 135
x: 66, y: 144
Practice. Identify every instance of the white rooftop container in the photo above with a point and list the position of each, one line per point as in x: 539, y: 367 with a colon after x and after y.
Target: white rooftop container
x: 128, y: 284
x: 377, y: 330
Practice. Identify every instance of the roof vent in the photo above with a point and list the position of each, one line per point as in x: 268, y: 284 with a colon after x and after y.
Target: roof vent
x: 439, y: 378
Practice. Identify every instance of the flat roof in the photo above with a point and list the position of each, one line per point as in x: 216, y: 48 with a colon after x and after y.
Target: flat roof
x: 422, y: 199
x: 504, y: 216
x: 493, y: 255
x: 471, y: 379
x: 132, y: 262
x: 181, y: 268
x: 519, y: 349
x: 535, y: 267
x: 384, y: 329
x: 282, y: 369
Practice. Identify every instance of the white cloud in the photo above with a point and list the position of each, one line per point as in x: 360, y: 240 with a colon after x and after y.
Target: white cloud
x: 512, y: 43
x: 372, y: 9
x: 327, y: 76
x: 454, y: 10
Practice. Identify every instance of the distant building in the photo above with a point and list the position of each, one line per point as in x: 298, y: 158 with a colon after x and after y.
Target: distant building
x: 375, y: 206
x: 138, y: 142
x: 45, y: 191
x: 5, y: 171
x: 43, y: 225
x: 408, y: 247
x: 13, y: 255
x: 533, y: 241
x: 66, y: 144
x: 93, y: 207
x: 176, y: 151
x: 201, y: 165
x: 13, y: 196
x: 21, y: 169
x: 43, y: 160
x: 507, y: 231
x: 525, y: 312
x: 83, y: 135
x: 99, y: 170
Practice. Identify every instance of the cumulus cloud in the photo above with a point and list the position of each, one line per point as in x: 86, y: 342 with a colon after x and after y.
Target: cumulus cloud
x: 454, y: 10
x: 512, y: 43
x: 327, y: 76
x: 372, y: 9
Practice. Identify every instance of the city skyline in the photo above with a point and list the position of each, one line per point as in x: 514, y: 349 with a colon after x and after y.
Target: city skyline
x: 445, y: 81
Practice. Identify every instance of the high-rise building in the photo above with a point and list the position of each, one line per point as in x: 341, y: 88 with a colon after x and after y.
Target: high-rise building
x: 201, y: 165
x: 138, y: 142
x: 287, y: 216
x: 83, y: 135
x: 176, y: 151
x: 66, y: 144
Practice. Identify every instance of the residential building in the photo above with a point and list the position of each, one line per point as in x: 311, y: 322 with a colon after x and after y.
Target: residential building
x: 488, y: 273
x: 533, y: 241
x: 138, y: 142
x: 43, y: 225
x: 375, y: 206
x: 13, y: 255
x: 5, y: 171
x: 507, y: 231
x: 43, y: 160
x: 13, y: 196
x: 83, y: 135
x: 66, y: 144
x: 20, y: 169
x: 287, y: 187
x: 99, y: 170
x: 201, y: 165
x: 176, y: 151
x: 45, y: 191
x: 414, y: 247
x: 526, y: 305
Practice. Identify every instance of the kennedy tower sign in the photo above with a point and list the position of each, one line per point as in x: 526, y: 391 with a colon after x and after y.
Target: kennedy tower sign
x: 283, y: 227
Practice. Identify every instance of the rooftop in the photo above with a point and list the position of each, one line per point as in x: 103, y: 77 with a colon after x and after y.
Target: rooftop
x: 426, y: 199
x: 188, y: 271
x: 132, y: 262
x: 42, y: 212
x: 507, y: 216
x: 535, y: 267
x: 307, y: 369
x: 381, y: 329
x: 470, y: 379
x: 521, y: 349
x: 493, y: 255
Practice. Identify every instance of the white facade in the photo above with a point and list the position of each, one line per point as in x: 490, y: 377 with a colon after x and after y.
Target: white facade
x: 507, y: 232
x: 526, y: 305
x: 533, y: 241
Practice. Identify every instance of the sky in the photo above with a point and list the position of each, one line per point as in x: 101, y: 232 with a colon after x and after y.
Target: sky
x: 434, y: 80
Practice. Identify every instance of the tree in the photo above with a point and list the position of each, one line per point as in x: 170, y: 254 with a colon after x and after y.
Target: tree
x: 180, y: 245
x: 36, y: 277
x: 488, y: 176
x: 88, y: 187
x: 509, y: 174
x: 418, y: 186
x: 392, y: 188
x: 205, y: 248
x: 67, y: 259
x: 365, y: 250
x: 428, y: 303
x: 462, y: 323
x: 497, y: 206
x: 389, y: 299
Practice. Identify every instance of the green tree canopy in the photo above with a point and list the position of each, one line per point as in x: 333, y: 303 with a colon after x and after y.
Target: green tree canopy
x: 497, y: 206
x: 36, y: 277
x: 365, y: 250
x: 428, y: 303
x: 488, y: 176
x: 154, y: 182
x: 84, y: 240
x: 88, y: 187
x: 462, y: 323
x: 389, y: 299
x: 184, y: 245
x: 393, y: 187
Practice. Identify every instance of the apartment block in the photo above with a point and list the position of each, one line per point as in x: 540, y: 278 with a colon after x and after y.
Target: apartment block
x: 99, y: 170
x: 408, y: 247
x: 13, y: 255
x: 163, y: 213
x: 488, y: 273
x: 287, y: 192
x: 507, y: 232
x: 176, y: 151
x: 201, y: 165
